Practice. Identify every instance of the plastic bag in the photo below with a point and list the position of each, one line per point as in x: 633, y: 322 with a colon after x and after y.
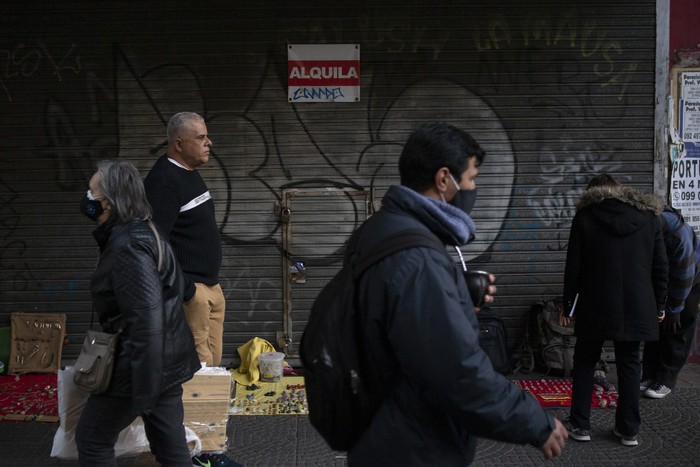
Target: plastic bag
x: 71, y: 400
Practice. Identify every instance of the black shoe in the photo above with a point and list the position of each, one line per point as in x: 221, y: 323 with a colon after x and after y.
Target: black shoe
x: 579, y: 434
x: 208, y: 459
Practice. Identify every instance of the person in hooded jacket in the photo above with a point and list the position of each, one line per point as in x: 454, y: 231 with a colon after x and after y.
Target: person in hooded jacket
x: 663, y: 359
x: 615, y: 283
x: 438, y: 389
x: 155, y: 352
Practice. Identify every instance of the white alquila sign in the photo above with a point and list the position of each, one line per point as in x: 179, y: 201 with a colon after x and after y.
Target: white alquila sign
x: 323, y: 72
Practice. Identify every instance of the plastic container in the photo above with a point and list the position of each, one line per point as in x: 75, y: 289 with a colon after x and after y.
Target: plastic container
x: 271, y: 365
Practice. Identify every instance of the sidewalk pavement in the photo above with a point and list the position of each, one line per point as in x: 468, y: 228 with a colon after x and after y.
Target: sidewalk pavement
x: 670, y: 435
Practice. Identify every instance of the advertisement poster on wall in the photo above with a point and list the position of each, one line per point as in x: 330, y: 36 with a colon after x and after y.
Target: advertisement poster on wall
x: 689, y: 112
x: 685, y: 176
x: 323, y: 72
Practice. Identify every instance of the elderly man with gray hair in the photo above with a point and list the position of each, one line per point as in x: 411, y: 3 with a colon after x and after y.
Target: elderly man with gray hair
x: 183, y: 210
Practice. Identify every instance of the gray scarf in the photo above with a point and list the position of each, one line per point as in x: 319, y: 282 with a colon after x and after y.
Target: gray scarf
x: 456, y: 221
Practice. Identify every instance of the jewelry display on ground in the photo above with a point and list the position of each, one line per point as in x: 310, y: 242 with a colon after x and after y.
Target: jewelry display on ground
x: 284, y: 397
x: 30, y: 398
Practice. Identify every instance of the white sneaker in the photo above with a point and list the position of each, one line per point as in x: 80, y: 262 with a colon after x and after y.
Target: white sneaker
x: 657, y: 391
x: 626, y: 440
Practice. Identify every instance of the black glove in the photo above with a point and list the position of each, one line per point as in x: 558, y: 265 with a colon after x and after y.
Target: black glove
x: 672, y: 322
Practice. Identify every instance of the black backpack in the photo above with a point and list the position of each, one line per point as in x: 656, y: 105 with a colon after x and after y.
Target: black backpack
x: 548, y: 346
x: 341, y: 403
x: 493, y: 340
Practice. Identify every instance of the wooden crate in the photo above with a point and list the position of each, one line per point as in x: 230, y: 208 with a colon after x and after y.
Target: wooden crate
x: 208, y: 386
x: 206, y: 398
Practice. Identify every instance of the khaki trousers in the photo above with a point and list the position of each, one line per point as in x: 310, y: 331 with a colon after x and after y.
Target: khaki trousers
x: 205, y: 315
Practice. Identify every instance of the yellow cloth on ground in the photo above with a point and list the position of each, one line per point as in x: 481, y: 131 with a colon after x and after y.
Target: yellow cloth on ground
x: 248, y: 372
x: 284, y: 397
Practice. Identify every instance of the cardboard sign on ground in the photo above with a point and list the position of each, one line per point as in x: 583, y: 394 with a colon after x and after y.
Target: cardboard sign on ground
x: 36, y: 342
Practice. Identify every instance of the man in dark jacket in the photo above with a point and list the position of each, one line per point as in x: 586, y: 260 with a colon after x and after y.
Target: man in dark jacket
x: 663, y: 359
x: 614, y: 284
x: 137, y: 288
x: 420, y: 330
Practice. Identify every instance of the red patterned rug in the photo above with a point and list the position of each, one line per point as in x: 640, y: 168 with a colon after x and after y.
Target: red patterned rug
x: 28, y: 398
x: 557, y: 392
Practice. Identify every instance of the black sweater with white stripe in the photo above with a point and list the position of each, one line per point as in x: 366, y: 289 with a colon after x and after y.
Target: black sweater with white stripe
x: 183, y: 210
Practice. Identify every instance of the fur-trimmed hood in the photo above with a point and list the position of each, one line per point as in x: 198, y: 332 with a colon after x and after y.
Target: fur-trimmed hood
x: 621, y: 208
x: 641, y: 201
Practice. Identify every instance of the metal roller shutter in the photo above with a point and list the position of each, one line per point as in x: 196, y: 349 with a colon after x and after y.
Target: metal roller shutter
x: 555, y: 92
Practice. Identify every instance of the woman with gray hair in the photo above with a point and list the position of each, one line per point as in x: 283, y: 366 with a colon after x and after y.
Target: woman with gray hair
x: 137, y: 288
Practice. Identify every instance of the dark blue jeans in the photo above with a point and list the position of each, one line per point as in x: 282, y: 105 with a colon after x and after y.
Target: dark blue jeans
x: 104, y: 417
x: 629, y: 368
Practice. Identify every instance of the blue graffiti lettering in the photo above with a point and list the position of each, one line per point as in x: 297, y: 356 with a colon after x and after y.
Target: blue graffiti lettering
x: 317, y: 93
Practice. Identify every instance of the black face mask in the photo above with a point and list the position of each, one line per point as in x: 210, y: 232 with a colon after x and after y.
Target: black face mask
x: 464, y: 200
x: 90, y: 207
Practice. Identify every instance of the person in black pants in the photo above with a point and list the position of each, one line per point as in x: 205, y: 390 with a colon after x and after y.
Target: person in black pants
x: 615, y: 283
x: 663, y: 359
x: 137, y: 287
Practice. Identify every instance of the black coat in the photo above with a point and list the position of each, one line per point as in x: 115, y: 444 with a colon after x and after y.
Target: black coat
x: 156, y: 348
x: 616, y: 263
x: 422, y: 340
